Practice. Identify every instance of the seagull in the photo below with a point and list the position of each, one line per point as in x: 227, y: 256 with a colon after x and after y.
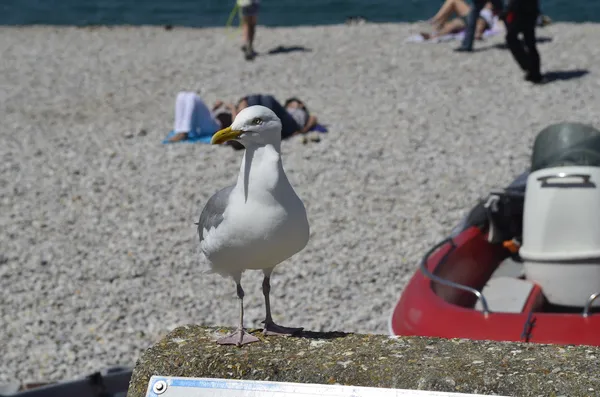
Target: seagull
x: 258, y: 222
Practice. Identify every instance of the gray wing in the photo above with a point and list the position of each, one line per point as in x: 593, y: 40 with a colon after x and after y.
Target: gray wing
x: 212, y: 214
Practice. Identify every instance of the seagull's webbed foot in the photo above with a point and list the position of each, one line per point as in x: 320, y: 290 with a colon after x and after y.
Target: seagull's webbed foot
x: 240, y: 337
x: 272, y: 329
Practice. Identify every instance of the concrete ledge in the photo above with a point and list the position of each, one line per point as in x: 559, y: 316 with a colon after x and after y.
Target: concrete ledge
x: 510, y: 369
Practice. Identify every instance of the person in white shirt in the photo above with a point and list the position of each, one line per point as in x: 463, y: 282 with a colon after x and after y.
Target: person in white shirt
x: 192, y: 116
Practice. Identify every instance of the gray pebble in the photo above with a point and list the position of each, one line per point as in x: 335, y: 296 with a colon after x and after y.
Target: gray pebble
x: 99, y: 255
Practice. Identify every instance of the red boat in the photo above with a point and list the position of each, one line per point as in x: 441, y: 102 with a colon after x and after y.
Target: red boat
x: 524, y: 265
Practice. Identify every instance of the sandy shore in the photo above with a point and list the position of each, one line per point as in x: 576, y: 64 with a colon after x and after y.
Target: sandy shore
x: 99, y: 254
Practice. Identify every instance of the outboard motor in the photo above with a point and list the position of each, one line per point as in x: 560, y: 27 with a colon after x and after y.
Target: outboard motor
x: 561, y: 220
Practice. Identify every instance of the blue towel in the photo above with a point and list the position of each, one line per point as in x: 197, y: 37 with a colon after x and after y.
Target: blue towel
x: 193, y: 138
x: 319, y: 128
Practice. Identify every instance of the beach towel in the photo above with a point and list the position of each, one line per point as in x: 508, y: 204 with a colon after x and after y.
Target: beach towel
x: 319, y: 128
x: 417, y: 38
x: 192, y: 138
x: 195, y: 138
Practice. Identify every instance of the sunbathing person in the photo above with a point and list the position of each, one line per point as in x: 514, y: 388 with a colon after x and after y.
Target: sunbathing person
x: 192, y: 116
x: 294, y: 115
x: 443, y: 25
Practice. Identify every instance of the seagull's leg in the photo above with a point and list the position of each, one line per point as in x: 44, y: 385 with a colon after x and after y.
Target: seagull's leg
x: 240, y: 336
x: 270, y: 327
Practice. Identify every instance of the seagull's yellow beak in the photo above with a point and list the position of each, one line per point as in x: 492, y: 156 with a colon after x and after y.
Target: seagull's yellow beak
x: 224, y: 135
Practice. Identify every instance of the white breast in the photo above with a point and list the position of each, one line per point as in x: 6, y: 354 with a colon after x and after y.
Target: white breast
x: 264, y: 224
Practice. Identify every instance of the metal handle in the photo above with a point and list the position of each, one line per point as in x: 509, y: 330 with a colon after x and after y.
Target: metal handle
x: 564, y: 175
x: 433, y: 277
x: 588, y: 304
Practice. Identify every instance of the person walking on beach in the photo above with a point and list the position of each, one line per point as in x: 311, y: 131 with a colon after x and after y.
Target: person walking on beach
x: 467, y: 43
x: 521, y: 17
x: 249, y: 15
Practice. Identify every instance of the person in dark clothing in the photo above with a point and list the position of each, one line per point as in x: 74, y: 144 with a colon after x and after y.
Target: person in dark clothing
x: 288, y: 124
x: 294, y: 115
x: 521, y: 17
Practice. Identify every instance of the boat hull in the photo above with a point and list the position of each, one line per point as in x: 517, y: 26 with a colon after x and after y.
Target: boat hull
x: 427, y: 308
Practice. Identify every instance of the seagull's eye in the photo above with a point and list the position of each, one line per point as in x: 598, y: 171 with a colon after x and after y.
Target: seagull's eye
x: 257, y: 121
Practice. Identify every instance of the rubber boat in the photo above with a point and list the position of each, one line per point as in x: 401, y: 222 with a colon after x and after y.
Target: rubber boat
x: 524, y: 264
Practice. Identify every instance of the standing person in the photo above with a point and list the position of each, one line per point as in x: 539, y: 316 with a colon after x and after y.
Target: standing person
x: 521, y: 17
x: 249, y: 14
x: 467, y: 43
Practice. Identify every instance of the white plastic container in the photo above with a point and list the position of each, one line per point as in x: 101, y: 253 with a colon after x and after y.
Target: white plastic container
x: 561, y: 233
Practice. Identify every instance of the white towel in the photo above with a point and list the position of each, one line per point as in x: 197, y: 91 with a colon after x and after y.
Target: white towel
x: 418, y: 38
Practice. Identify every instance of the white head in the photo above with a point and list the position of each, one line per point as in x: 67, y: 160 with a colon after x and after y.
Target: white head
x: 253, y: 126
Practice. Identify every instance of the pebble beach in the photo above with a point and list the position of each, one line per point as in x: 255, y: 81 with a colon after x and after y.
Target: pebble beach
x: 99, y: 254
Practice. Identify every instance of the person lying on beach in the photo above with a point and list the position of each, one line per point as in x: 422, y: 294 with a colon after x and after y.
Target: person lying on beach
x: 193, y: 115
x: 294, y: 115
x: 443, y: 25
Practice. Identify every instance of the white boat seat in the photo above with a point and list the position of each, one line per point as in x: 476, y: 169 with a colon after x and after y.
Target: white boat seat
x: 506, y: 294
x: 561, y: 233
x: 509, y: 268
